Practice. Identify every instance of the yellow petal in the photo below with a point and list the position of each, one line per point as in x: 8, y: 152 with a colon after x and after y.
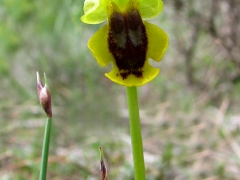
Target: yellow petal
x: 98, y: 45
x: 157, y: 41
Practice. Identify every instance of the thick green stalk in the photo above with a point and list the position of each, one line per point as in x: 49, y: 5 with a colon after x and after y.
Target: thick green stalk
x: 135, y: 131
x: 45, y: 149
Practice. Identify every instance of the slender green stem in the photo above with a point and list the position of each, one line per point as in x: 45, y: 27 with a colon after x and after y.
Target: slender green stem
x: 135, y: 131
x: 45, y: 149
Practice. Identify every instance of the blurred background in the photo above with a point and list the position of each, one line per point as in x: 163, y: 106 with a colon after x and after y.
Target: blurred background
x: 190, y: 113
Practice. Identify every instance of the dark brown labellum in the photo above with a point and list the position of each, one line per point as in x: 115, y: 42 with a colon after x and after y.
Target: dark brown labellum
x: 127, y: 42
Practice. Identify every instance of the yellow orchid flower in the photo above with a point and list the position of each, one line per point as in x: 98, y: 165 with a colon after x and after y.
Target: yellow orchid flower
x: 127, y: 41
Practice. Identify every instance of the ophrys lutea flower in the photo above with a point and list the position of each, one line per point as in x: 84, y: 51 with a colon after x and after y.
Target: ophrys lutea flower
x: 126, y: 40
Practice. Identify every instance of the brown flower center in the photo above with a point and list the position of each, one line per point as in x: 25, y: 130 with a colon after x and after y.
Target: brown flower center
x: 127, y: 42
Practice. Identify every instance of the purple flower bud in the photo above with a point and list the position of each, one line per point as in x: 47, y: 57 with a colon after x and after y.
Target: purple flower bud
x: 103, y: 167
x: 44, y: 95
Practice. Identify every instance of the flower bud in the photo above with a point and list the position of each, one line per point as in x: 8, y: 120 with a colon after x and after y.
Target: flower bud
x: 44, y: 95
x: 103, y: 167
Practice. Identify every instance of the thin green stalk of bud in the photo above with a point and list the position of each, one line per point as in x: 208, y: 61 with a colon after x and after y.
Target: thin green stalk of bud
x: 45, y: 150
x: 45, y: 100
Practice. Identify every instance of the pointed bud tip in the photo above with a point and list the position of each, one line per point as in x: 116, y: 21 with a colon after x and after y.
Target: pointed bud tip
x: 101, y: 153
x: 45, y: 79
x: 39, y: 84
x: 37, y: 75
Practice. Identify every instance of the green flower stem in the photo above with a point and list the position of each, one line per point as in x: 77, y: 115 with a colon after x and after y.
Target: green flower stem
x: 45, y: 149
x: 135, y: 131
